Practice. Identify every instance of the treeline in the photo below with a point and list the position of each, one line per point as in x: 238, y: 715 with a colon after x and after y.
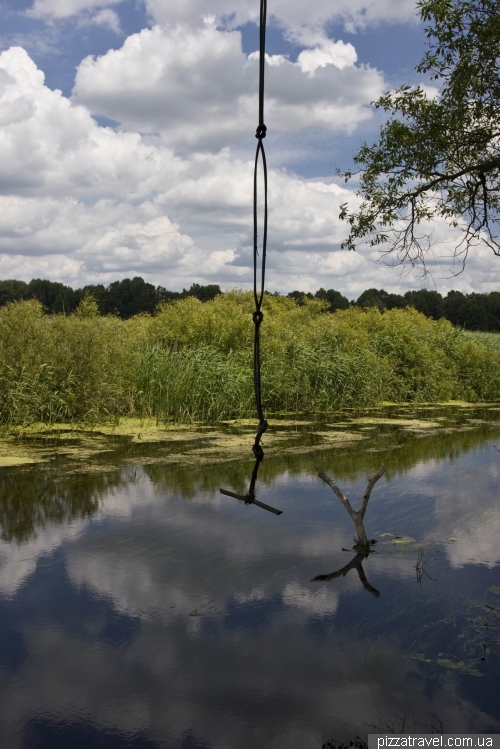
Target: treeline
x: 469, y: 311
x: 122, y: 298
x: 130, y: 297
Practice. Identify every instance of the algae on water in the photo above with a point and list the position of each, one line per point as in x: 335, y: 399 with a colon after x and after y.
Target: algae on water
x: 146, y: 440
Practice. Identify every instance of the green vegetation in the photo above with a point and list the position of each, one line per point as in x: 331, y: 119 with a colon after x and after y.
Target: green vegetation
x: 192, y: 361
x: 131, y: 297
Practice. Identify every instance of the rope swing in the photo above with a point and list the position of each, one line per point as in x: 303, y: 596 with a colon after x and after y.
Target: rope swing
x: 258, y: 291
x: 259, y: 295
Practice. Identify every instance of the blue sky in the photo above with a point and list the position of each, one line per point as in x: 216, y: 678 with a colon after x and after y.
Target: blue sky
x: 126, y: 140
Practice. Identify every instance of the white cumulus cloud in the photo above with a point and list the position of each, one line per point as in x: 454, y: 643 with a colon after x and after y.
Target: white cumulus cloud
x: 82, y: 203
x: 106, y: 17
x: 60, y: 9
x: 199, y: 90
x: 290, y: 14
x: 327, y: 53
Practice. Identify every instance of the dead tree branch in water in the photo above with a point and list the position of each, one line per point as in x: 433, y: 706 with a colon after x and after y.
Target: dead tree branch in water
x: 362, y: 544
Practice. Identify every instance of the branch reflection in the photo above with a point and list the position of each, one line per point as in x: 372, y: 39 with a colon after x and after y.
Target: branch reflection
x: 356, y: 563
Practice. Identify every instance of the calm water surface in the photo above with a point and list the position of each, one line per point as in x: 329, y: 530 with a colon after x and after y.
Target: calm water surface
x: 140, y: 608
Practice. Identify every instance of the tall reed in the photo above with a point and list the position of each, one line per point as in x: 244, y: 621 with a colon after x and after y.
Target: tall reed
x: 193, y: 361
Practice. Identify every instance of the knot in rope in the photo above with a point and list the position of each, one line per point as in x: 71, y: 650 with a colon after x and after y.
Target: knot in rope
x: 257, y: 447
x: 261, y: 131
x: 258, y: 452
x: 262, y: 428
x: 257, y: 317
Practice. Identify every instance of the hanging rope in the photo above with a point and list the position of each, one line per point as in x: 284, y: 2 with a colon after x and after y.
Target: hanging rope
x: 249, y: 497
x: 258, y: 293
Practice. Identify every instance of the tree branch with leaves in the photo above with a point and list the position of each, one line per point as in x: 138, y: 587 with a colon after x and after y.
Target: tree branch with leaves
x: 437, y: 157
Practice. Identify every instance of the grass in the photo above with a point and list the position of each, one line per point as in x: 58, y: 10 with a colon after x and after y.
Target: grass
x: 193, y: 361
